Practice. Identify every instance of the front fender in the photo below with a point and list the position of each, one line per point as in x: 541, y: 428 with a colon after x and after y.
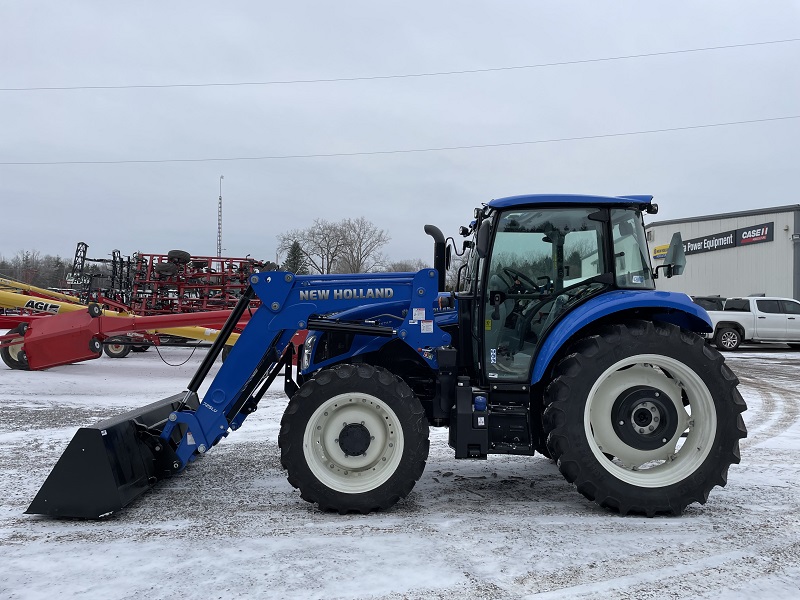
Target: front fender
x: 670, y: 307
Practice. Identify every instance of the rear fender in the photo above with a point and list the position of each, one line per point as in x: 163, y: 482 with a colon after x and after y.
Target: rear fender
x: 668, y: 307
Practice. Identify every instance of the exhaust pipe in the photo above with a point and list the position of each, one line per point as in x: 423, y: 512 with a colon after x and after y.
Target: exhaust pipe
x: 439, y: 253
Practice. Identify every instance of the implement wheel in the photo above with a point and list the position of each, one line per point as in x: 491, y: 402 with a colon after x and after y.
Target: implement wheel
x: 14, y: 355
x: 118, y: 349
x: 644, y: 418
x: 179, y: 257
x: 354, y: 439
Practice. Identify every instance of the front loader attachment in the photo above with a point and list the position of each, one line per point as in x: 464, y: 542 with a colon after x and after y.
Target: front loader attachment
x: 108, y: 465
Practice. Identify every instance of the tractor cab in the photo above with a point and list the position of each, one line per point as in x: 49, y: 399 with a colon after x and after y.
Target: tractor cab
x: 534, y: 259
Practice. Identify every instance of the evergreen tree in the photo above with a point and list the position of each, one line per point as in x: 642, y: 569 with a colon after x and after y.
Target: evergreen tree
x: 295, y: 260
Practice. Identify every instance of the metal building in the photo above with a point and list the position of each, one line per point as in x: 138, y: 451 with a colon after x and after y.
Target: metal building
x: 734, y: 254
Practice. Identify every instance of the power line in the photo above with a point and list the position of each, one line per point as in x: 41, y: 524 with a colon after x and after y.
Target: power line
x: 401, y: 151
x: 399, y: 76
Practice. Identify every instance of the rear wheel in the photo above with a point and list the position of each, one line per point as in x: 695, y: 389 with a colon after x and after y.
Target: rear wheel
x: 116, y: 348
x: 354, y: 439
x: 727, y: 339
x: 14, y: 355
x: 644, y: 418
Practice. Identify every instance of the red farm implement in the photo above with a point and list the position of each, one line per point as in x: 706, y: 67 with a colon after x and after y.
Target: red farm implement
x: 124, y: 303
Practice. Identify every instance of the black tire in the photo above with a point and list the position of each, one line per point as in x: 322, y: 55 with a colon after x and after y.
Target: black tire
x: 794, y: 346
x: 604, y: 399
x: 14, y: 355
x: 141, y: 348
x: 337, y: 414
x: 94, y: 310
x: 95, y: 346
x: 179, y: 257
x: 114, y: 349
x: 168, y: 269
x: 727, y: 338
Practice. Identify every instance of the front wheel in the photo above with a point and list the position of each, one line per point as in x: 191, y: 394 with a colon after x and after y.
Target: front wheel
x: 354, y: 439
x: 644, y: 418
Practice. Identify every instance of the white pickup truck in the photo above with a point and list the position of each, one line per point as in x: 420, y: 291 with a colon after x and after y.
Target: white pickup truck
x: 756, y: 320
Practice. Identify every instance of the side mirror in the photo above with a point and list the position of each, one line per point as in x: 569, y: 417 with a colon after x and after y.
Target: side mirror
x: 675, y: 260
x: 482, y: 239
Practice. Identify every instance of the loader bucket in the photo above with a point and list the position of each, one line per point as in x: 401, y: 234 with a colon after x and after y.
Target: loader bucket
x: 108, y: 465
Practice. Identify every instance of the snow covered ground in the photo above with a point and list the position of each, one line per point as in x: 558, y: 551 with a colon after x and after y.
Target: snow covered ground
x: 510, y: 527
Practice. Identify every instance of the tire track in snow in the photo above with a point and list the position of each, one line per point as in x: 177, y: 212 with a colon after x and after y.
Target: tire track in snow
x: 666, y: 573
x: 780, y: 404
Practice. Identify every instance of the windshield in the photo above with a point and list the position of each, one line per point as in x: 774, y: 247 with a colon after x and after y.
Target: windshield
x: 631, y: 257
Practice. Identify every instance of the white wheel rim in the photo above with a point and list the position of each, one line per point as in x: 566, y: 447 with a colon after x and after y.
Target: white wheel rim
x: 15, y: 350
x: 677, y: 457
x: 353, y: 474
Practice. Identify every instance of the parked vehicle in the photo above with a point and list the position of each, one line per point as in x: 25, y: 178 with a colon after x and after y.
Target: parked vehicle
x: 760, y: 319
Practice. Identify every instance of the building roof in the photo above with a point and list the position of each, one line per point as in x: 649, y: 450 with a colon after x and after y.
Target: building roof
x: 731, y: 215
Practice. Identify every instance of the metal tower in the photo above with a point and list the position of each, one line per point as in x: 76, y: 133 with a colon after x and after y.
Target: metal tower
x: 219, y: 219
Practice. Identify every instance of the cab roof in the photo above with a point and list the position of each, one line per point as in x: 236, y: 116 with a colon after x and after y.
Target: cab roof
x: 512, y: 201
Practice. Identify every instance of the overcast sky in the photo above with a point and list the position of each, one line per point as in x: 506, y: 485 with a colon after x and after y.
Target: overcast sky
x: 156, y: 207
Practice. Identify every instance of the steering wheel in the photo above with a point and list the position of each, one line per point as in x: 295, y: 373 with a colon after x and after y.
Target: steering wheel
x: 514, y: 274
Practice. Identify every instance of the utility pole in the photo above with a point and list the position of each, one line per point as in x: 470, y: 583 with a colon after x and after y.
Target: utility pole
x: 219, y: 219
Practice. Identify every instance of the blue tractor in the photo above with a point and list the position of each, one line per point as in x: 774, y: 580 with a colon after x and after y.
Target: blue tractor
x: 554, y: 340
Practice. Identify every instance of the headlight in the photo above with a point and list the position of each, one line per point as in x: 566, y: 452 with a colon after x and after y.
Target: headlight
x: 308, y: 350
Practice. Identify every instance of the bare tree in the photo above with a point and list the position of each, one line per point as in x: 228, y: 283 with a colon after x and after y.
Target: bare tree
x: 407, y: 266
x: 322, y: 244
x: 362, y: 244
x: 349, y: 246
